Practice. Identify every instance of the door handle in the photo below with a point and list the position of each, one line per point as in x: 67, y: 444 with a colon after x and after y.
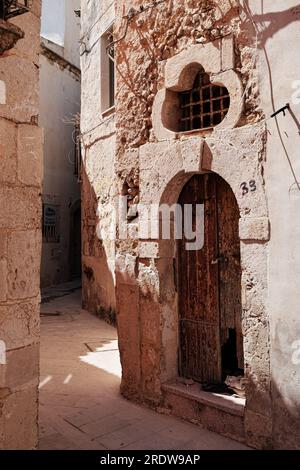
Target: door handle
x: 220, y: 259
x: 216, y: 261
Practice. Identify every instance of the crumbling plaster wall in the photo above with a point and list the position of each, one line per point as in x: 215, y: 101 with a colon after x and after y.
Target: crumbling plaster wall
x: 98, y: 173
x: 20, y: 236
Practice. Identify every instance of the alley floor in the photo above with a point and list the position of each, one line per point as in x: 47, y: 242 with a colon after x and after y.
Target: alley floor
x: 80, y: 403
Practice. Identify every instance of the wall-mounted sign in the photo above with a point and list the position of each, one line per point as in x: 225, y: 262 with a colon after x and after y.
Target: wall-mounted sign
x: 50, y: 223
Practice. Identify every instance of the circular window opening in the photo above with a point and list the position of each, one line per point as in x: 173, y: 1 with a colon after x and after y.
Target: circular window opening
x: 204, y: 106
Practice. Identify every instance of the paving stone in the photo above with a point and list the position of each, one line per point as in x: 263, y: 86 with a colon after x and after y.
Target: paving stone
x: 78, y: 419
x: 126, y: 436
x: 104, y: 426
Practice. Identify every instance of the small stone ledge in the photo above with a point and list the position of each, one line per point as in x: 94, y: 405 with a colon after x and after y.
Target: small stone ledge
x: 9, y: 35
x: 225, y: 403
x: 109, y: 112
x: 222, y: 414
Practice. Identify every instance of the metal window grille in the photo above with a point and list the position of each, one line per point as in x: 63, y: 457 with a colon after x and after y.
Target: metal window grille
x: 204, y: 106
x: 51, y: 223
x: 11, y: 8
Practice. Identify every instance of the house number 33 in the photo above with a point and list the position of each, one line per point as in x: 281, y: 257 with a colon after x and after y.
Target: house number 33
x: 248, y: 187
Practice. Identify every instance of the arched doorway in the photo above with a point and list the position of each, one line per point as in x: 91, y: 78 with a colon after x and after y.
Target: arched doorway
x: 209, y: 286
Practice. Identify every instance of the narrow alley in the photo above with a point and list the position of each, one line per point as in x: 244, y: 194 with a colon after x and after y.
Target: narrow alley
x: 80, y: 403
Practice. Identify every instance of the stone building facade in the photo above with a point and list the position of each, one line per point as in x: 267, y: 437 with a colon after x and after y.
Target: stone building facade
x: 59, y: 117
x: 151, y: 145
x: 21, y: 143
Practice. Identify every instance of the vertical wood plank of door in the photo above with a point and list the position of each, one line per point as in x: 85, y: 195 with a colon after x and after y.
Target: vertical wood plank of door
x: 212, y: 310
x: 229, y: 270
x: 198, y: 290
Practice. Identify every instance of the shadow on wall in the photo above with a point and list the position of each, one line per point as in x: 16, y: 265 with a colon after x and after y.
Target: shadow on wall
x: 270, y: 23
x: 286, y: 417
x: 98, y: 285
x: 280, y: 430
x: 99, y: 293
x: 264, y: 27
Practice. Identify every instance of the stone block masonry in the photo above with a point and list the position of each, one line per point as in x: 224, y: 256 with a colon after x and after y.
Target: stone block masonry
x: 21, y: 142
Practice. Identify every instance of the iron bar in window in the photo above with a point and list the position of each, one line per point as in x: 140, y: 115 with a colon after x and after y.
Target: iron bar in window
x: 204, y: 106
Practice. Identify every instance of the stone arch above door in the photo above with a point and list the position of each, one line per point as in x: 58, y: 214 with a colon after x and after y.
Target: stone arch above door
x: 217, y: 59
x: 237, y: 156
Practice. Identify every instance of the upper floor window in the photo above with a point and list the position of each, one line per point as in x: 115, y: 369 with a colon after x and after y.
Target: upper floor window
x: 107, y: 71
x: 204, y: 106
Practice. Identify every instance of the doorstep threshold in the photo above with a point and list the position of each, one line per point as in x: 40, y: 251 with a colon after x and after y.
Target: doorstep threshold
x: 227, y: 403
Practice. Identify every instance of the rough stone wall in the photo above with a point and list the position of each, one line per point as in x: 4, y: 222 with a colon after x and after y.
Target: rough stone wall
x: 98, y: 173
x: 20, y: 236
x: 158, y: 34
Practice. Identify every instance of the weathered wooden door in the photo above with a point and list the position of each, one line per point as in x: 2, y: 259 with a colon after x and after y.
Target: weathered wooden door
x: 209, y: 282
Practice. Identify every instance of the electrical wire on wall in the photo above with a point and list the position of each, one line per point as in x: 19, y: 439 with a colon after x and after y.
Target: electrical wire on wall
x: 132, y: 13
x: 247, y: 11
